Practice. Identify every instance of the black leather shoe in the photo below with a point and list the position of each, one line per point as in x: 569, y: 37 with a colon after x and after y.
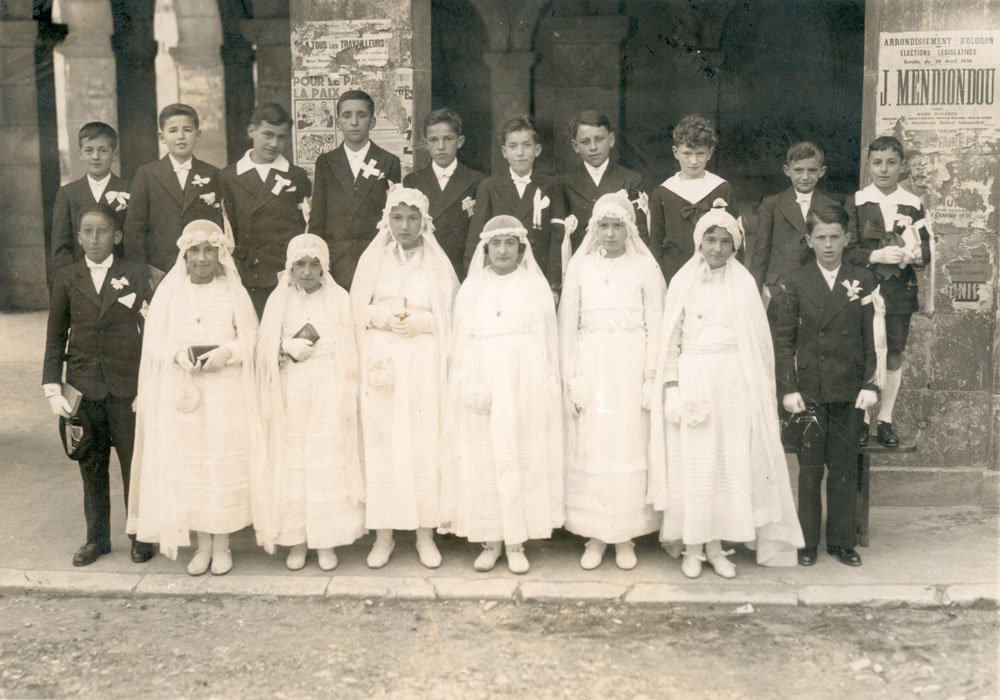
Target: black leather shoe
x: 863, y: 438
x: 141, y: 551
x: 886, y: 435
x: 88, y: 553
x: 807, y: 556
x: 845, y: 555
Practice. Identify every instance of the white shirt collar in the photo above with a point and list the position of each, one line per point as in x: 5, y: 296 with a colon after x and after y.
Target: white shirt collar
x: 448, y: 171
x: 829, y: 275
x: 104, y: 264
x: 357, y: 156
x: 245, y: 163
x: 597, y: 173
x: 98, y: 186
x: 520, y: 178
x: 694, y: 190
x: 177, y: 165
x: 807, y: 197
x: 873, y: 195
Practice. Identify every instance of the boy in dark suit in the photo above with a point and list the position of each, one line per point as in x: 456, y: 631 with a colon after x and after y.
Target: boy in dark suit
x: 171, y: 192
x: 449, y: 185
x: 98, y: 151
x: 351, y: 183
x: 519, y: 192
x: 98, y: 305
x: 779, y: 246
x: 889, y: 236
x: 595, y: 175
x: 826, y: 363
x: 263, y: 196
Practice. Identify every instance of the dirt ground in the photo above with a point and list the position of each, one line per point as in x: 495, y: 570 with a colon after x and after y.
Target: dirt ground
x: 288, y: 648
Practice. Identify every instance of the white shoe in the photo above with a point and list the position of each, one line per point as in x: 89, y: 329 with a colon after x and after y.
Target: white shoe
x: 296, y: 557
x: 723, y: 567
x: 625, y: 555
x: 327, y: 558
x: 487, y: 559
x: 691, y: 565
x: 222, y: 562
x: 379, y: 556
x: 593, y: 554
x: 199, y: 563
x: 516, y: 561
x: 428, y: 551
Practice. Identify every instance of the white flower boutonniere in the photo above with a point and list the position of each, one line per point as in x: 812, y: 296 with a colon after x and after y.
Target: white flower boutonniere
x: 280, y: 183
x: 852, y: 288
x: 209, y: 199
x: 370, y: 169
x: 119, y: 200
x: 468, y: 206
x: 119, y: 283
x: 199, y: 181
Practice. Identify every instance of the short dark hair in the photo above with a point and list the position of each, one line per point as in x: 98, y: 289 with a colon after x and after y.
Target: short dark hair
x: 272, y: 113
x: 97, y: 130
x: 178, y: 109
x: 803, y: 150
x: 356, y: 95
x: 695, y: 131
x: 98, y: 208
x: 444, y: 116
x: 521, y: 122
x: 588, y: 117
x: 826, y: 214
x: 887, y: 143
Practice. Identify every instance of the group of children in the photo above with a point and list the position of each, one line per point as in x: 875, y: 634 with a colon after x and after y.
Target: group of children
x: 443, y: 391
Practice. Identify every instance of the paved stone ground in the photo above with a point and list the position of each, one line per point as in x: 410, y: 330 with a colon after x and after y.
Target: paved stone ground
x: 917, y: 557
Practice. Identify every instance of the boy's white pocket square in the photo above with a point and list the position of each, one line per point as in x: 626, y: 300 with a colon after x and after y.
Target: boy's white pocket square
x: 128, y: 300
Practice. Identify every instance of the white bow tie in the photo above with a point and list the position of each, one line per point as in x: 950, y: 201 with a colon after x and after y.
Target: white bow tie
x: 98, y: 266
x: 182, y: 168
x: 521, y: 179
x: 803, y: 199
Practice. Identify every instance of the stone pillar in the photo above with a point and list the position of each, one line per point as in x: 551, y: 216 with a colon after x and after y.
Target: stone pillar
x: 86, y: 86
x: 949, y: 400
x: 273, y: 58
x: 22, y: 247
x: 583, y: 71
x: 510, y: 88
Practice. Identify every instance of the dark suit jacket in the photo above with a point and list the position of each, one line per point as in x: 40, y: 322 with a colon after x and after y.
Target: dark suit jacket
x: 451, y: 221
x: 824, y: 344
x: 263, y: 222
x: 867, y: 230
x: 104, y: 330
x: 576, y: 194
x: 779, y: 244
x: 346, y: 212
x: 70, y: 198
x: 497, y: 195
x: 158, y: 210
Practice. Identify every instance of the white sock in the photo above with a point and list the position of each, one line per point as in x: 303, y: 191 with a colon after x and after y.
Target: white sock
x: 893, y: 378
x: 204, y: 541
x: 220, y: 543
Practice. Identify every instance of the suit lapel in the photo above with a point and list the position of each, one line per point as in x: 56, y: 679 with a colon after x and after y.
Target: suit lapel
x: 611, y: 181
x: 790, y: 209
x: 84, y: 284
x: 164, y: 172
x: 507, y: 192
x: 837, y: 299
x: 457, y: 184
x: 108, y: 294
x: 524, y: 205
x: 191, y: 190
x: 367, y: 182
x: 583, y: 184
x: 874, y: 222
x: 266, y: 192
x: 342, y: 172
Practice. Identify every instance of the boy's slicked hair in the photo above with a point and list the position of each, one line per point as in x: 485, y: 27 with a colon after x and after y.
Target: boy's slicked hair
x: 887, y: 143
x: 100, y: 208
x: 803, y: 150
x: 272, y: 113
x: 826, y: 214
x: 695, y: 131
x: 178, y: 109
x: 521, y: 122
x: 444, y: 116
x: 98, y: 130
x: 588, y: 117
x: 357, y: 95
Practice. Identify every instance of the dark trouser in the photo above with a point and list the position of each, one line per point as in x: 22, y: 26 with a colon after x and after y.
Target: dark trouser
x: 259, y: 295
x: 110, y: 421
x: 834, y: 445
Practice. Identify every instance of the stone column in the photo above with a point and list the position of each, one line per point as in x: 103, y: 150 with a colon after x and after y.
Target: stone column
x: 950, y: 398
x: 273, y: 57
x: 86, y: 86
x: 510, y: 91
x: 22, y: 248
x: 583, y: 71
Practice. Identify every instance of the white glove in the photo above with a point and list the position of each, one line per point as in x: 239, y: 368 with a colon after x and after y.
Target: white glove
x: 215, y: 359
x: 890, y: 255
x: 413, y: 325
x: 182, y: 359
x: 647, y: 393
x: 300, y: 349
x: 866, y: 399
x: 381, y: 318
x: 793, y: 403
x: 60, y: 406
x: 672, y: 404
